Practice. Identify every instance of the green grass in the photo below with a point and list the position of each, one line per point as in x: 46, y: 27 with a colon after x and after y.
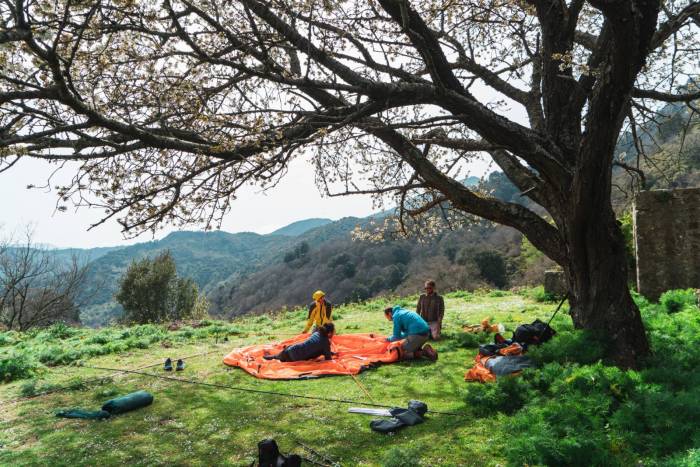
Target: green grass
x: 194, y: 425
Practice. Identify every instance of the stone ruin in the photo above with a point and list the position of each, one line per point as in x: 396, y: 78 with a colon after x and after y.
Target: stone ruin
x: 667, y: 244
x: 667, y: 240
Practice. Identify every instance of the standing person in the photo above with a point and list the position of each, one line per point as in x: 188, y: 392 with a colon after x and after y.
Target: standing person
x: 431, y: 307
x: 415, y: 332
x: 320, y: 311
x: 318, y: 344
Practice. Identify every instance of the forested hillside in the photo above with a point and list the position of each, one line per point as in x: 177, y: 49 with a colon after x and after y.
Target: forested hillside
x: 666, y: 153
x: 351, y: 270
x: 206, y: 257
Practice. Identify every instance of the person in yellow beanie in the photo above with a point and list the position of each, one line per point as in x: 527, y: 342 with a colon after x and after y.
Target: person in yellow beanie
x: 320, y: 311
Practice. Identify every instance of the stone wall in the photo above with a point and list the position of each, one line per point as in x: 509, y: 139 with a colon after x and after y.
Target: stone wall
x: 555, y: 283
x: 667, y: 240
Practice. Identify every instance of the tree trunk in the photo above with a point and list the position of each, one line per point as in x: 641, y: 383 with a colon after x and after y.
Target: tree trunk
x: 599, y: 293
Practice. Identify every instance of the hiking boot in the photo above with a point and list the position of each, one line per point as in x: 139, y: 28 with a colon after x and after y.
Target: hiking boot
x: 168, y: 366
x: 429, y: 352
x: 180, y: 365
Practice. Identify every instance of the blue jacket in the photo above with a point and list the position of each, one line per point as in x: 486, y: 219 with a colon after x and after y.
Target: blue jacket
x: 314, y: 346
x: 407, y: 323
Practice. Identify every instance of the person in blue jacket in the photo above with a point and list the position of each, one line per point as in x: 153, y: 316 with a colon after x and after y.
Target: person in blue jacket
x: 319, y: 343
x: 415, y: 332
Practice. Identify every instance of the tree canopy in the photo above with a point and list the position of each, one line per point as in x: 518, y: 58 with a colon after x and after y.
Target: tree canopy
x: 151, y: 292
x: 171, y: 107
x: 164, y: 110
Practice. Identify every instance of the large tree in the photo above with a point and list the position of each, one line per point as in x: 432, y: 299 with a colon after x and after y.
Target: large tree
x: 165, y: 109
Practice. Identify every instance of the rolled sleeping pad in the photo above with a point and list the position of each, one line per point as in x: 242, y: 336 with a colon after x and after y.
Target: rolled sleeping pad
x: 129, y: 402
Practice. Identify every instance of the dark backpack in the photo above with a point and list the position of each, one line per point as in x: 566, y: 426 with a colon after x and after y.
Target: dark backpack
x: 535, y: 333
x: 269, y: 456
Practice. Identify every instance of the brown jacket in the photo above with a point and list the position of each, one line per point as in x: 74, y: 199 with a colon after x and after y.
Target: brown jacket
x: 431, y: 307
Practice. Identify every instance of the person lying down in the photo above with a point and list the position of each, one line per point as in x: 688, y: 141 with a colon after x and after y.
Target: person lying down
x: 319, y: 343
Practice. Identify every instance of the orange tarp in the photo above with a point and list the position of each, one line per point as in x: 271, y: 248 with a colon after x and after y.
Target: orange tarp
x: 355, y: 352
x: 480, y: 373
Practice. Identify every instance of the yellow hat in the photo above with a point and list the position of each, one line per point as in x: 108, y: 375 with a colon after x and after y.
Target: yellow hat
x: 318, y: 294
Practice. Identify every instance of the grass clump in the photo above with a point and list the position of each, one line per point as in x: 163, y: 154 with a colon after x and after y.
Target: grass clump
x: 468, y: 340
x: 8, y: 338
x: 569, y: 346
x: 17, y: 365
x: 506, y: 395
x: 674, y: 301
x: 463, y: 294
x: 498, y: 293
x: 399, y: 456
x: 538, y: 294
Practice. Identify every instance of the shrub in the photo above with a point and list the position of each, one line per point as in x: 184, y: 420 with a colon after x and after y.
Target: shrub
x: 61, y: 331
x: 582, y: 347
x: 657, y: 421
x: 506, y: 395
x: 402, y: 456
x: 469, y: 340
x: 463, y: 294
x: 570, y: 432
x: 99, y: 339
x: 539, y: 295
x: 6, y: 338
x: 674, y: 301
x: 690, y: 458
x: 29, y: 388
x: 580, y: 411
x: 17, y: 366
x: 50, y: 355
x: 492, y: 267
x: 498, y: 293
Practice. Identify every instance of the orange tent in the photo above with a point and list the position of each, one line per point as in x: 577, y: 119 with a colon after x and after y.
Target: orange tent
x: 355, y: 352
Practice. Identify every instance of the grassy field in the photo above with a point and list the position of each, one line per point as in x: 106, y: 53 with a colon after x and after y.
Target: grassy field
x: 574, y: 409
x: 194, y: 425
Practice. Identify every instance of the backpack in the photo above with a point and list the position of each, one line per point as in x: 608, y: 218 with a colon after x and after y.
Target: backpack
x: 535, y: 333
x: 269, y: 456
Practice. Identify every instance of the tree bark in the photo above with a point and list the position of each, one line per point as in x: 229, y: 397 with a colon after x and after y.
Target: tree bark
x: 598, y: 290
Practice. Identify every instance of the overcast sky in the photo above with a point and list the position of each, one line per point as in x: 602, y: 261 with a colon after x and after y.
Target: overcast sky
x: 295, y: 198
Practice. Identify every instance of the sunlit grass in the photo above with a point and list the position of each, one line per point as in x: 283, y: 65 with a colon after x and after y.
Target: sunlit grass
x: 194, y: 425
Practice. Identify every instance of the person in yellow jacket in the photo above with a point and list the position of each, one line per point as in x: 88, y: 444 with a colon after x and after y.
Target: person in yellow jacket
x: 320, y: 311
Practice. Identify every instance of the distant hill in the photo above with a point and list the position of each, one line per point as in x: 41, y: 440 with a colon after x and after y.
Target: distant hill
x: 297, y: 228
x: 327, y: 258
x: 246, y: 272
x: 83, y: 254
x: 207, y: 257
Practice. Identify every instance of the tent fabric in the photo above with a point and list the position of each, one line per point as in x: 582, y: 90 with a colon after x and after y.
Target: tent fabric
x: 84, y: 414
x: 354, y: 353
x: 510, y: 361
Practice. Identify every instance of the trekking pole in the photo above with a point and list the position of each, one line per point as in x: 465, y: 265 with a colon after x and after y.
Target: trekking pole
x: 539, y: 339
x: 558, y: 307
